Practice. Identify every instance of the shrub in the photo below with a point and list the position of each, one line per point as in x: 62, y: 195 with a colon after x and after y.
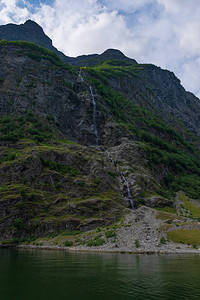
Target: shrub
x: 97, y: 241
x: 137, y: 244
x: 164, y: 146
x: 97, y: 180
x: 162, y: 240
x: 19, y: 204
x: 68, y: 243
x: 18, y: 223
x: 14, y: 128
x: 71, y: 232
x: 110, y: 234
x: 22, y: 192
x: 59, y: 167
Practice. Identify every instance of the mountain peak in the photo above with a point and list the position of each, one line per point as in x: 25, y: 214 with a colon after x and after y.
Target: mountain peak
x: 30, y: 23
x: 116, y: 54
x: 113, y: 53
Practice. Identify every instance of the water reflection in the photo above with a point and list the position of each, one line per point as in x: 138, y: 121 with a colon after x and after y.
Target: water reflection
x: 37, y: 274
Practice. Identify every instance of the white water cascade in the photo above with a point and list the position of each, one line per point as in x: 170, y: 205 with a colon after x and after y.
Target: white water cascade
x: 94, y: 117
x: 124, y: 179
x: 128, y: 190
x: 80, y: 76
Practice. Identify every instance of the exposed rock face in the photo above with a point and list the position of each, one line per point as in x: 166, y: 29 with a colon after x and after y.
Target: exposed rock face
x: 156, y: 201
x: 28, y: 85
x: 30, y: 31
x: 38, y: 198
x: 160, y: 90
x: 49, y: 90
x: 51, y: 184
x: 94, y: 59
x: 154, y: 88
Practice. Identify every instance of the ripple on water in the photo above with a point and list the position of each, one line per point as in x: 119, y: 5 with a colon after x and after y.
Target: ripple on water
x: 54, y: 275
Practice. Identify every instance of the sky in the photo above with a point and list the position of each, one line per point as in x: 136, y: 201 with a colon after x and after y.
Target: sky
x: 163, y: 32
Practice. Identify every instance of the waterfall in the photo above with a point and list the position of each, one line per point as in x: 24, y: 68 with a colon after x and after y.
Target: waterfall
x: 94, y: 117
x: 80, y: 76
x: 128, y: 190
x: 124, y: 179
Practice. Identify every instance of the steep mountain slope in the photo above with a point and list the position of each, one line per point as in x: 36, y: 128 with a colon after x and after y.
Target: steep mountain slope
x: 150, y: 87
x: 30, y: 31
x: 157, y: 90
x: 77, y: 147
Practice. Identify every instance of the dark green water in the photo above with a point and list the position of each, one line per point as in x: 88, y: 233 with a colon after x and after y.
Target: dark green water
x: 54, y: 275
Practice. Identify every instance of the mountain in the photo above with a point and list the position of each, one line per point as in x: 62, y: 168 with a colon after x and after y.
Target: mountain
x: 156, y: 89
x: 30, y: 31
x: 83, y: 147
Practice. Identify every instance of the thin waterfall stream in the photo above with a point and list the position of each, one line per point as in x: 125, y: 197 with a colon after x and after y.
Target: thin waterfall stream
x: 94, y: 117
x: 124, y: 179
x: 80, y: 76
x: 97, y: 142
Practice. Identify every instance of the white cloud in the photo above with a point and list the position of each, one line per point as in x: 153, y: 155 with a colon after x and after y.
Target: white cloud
x: 163, y: 32
x: 190, y: 75
x: 127, y: 5
x: 10, y: 11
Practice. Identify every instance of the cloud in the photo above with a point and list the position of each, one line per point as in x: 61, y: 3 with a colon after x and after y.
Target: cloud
x: 127, y: 6
x: 10, y: 11
x: 163, y: 32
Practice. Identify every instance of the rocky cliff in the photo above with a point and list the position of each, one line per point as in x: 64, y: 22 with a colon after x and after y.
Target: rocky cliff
x: 30, y: 31
x: 78, y: 145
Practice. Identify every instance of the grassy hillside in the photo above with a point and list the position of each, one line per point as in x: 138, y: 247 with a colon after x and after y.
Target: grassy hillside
x: 52, y: 184
x: 170, y: 157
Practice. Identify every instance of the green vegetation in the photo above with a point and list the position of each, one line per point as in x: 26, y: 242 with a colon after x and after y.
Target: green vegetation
x: 17, y: 241
x: 137, y: 244
x: 110, y: 234
x: 68, y: 243
x: 193, y: 209
x: 69, y: 85
x: 165, y: 148
x: 115, y: 69
x: 71, y: 232
x: 171, y: 210
x: 59, y: 167
x: 27, y: 126
x: 97, y: 241
x: 18, y: 223
x: 162, y: 240
x: 162, y: 215
x: 37, y: 53
x: 8, y: 156
x: 185, y: 236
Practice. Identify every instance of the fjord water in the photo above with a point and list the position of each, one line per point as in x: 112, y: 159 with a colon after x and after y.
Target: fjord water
x: 54, y: 275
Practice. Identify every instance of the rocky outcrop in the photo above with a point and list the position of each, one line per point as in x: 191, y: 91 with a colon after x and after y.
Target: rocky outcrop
x: 155, y: 89
x: 160, y: 91
x: 55, y: 176
x: 30, y: 31
x: 94, y: 59
x: 61, y: 187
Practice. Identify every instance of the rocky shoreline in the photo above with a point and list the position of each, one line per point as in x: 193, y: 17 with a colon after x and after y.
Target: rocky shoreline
x: 142, y: 231
x: 121, y: 251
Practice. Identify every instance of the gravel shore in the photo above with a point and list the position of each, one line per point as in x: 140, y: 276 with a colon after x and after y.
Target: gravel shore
x: 142, y: 231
